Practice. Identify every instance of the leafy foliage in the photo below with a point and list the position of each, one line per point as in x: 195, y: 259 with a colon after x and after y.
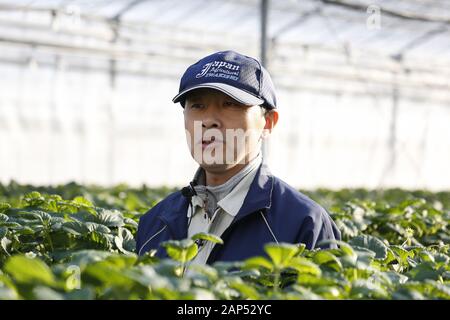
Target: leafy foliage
x: 395, y: 246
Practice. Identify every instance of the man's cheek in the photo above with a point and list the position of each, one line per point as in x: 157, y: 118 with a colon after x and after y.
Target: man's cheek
x: 234, y: 151
x: 189, y: 138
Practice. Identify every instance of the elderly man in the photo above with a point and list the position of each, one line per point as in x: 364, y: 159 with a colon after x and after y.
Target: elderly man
x: 230, y: 107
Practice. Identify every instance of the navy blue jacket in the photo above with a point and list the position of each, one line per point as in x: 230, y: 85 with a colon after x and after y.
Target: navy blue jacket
x: 272, y: 211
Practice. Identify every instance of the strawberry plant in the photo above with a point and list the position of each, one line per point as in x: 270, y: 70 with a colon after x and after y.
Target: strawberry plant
x: 77, y: 242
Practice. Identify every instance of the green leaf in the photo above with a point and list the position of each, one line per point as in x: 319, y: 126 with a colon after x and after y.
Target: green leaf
x: 75, y: 227
x: 208, y: 237
x: 426, y: 256
x: 245, y: 289
x: 406, y: 293
x: 55, y: 197
x: 108, y: 274
x: 349, y: 254
x: 346, y: 248
x: 372, y: 243
x: 4, y: 207
x: 181, y: 251
x: 29, y: 271
x: 304, y: 266
x: 147, y: 276
x: 402, y: 254
x: 132, y: 202
x: 393, y: 278
x: 3, y: 232
x: 329, y: 292
x: 85, y: 257
x: 130, y: 222
x: 41, y: 215
x: 3, y: 217
x: 95, y: 227
x: 347, y: 227
x: 22, y: 230
x: 365, y: 289
x: 129, y: 243
x: 80, y: 294
x: 33, y: 199
x: 82, y: 202
x: 323, y: 257
x: 301, y: 248
x: 281, y: 253
x: 365, y: 258
x: 423, y: 271
x: 440, y: 290
x: 258, y: 262
x: 109, y: 218
x: 124, y: 241
x: 315, y: 281
x: 5, y: 243
x: 46, y: 293
x: 442, y: 258
x: 306, y: 293
x: 7, y: 289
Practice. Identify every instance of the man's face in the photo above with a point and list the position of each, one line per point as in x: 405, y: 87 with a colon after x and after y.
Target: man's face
x: 220, y: 131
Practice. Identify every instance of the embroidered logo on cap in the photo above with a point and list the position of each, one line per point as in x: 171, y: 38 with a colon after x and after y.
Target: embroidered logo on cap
x: 220, y: 69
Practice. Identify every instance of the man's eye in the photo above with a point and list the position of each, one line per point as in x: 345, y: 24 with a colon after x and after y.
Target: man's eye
x: 232, y: 104
x: 196, y: 106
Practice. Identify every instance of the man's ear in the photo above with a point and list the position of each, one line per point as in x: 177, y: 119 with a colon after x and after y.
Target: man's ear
x: 271, y: 117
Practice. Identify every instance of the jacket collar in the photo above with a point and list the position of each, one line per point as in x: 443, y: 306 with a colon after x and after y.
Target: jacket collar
x: 259, y: 197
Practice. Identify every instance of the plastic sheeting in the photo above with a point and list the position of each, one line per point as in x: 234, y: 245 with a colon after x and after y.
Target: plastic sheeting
x: 358, y: 108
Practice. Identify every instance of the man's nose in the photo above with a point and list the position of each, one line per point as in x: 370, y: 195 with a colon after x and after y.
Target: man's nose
x: 211, y: 118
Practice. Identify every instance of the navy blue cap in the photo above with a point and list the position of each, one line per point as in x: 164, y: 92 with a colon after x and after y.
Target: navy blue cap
x: 241, y: 77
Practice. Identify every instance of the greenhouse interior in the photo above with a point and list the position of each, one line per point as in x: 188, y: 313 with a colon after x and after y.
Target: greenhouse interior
x: 363, y: 88
x: 102, y: 196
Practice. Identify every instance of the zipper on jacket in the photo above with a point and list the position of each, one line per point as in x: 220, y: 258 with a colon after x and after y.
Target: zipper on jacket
x: 214, y: 251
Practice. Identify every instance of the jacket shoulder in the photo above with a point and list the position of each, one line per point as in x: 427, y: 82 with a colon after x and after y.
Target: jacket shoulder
x: 315, y: 223
x: 295, y: 199
x: 148, y: 222
x: 161, y: 205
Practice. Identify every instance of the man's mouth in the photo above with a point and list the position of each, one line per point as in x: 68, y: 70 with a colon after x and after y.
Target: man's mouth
x: 210, y: 141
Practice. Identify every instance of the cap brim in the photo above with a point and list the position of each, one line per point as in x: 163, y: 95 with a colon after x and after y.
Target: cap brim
x: 237, y: 94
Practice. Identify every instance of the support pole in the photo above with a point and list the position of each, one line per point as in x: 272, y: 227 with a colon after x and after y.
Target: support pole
x: 264, y: 8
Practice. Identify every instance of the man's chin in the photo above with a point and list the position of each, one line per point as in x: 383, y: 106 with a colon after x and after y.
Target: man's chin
x: 216, y: 167
x: 219, y: 167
